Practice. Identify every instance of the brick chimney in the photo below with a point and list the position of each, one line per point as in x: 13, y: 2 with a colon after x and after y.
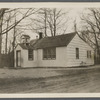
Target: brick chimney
x: 40, y: 35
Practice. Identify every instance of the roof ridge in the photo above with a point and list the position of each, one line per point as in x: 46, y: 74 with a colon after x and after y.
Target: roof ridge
x: 60, y: 35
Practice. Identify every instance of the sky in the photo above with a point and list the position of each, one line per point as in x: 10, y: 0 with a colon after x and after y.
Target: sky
x: 75, y: 10
x: 72, y: 14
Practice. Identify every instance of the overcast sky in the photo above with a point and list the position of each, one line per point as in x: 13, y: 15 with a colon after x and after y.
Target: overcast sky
x: 75, y: 10
x: 73, y: 13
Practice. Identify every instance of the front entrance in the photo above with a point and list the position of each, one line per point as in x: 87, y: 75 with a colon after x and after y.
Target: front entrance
x: 18, y: 58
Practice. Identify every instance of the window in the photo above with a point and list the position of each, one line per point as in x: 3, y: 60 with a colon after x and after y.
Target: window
x: 77, y: 53
x: 30, y: 54
x: 88, y: 54
x: 49, y: 53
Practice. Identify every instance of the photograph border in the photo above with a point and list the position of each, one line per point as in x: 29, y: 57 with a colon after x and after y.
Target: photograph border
x: 52, y: 95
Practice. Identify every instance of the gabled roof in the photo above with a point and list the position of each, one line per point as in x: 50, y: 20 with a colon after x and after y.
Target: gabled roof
x: 24, y: 46
x: 30, y: 46
x: 26, y: 36
x: 56, y: 41
x: 33, y: 42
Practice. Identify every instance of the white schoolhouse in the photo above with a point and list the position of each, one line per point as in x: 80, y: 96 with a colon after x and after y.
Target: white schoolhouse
x: 67, y: 50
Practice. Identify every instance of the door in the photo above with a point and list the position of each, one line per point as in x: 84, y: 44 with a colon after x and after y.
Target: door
x: 18, y: 58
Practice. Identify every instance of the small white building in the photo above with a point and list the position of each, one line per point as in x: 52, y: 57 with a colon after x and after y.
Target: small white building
x: 66, y: 50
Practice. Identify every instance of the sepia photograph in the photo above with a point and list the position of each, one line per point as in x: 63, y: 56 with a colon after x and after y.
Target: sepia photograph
x: 50, y: 48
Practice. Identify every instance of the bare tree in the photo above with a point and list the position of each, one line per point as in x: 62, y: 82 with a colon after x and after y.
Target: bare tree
x: 40, y: 22
x: 7, y: 25
x: 2, y: 11
x: 50, y: 21
x: 90, y: 31
x: 23, y: 13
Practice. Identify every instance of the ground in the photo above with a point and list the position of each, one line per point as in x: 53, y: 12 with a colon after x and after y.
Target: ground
x: 50, y: 80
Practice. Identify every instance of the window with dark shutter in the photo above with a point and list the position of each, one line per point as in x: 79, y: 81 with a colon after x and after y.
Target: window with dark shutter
x: 77, y: 53
x: 88, y: 54
x: 30, y: 54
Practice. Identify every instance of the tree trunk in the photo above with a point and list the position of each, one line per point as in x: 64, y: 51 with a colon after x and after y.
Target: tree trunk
x: 1, y: 41
x: 6, y: 38
x: 14, y: 39
x: 45, y: 22
x: 54, y: 22
x: 2, y: 11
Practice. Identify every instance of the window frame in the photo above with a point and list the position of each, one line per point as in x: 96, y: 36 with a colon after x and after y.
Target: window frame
x: 30, y: 54
x: 88, y: 53
x: 49, y: 53
x: 77, y: 53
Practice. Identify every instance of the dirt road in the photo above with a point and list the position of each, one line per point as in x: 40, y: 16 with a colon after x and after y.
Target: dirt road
x: 63, y: 81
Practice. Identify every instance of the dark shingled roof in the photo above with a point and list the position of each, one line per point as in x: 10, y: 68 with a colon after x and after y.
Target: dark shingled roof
x: 24, y: 46
x: 30, y: 46
x: 32, y: 42
x: 27, y: 36
x: 56, y: 41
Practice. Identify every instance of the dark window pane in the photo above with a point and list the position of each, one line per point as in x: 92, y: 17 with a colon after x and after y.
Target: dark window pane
x: 30, y: 54
x: 88, y: 54
x: 49, y: 53
x: 77, y: 53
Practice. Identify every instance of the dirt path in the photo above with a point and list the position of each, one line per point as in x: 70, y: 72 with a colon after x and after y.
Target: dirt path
x: 51, y: 81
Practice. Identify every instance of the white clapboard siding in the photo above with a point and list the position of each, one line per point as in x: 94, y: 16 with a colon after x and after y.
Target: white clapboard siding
x: 83, y: 47
x: 24, y: 58
x: 65, y: 56
x: 29, y: 63
x: 60, y: 60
